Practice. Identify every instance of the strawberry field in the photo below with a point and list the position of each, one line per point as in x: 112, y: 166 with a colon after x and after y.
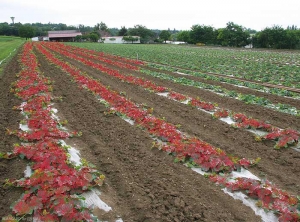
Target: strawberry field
x: 105, y: 137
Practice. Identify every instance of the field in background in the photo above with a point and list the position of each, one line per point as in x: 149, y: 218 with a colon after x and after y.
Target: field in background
x: 8, y: 44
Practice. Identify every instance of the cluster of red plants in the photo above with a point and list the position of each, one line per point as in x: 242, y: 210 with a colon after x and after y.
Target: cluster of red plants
x: 103, y: 55
x: 221, y: 113
x: 201, y: 104
x: 52, y: 192
x: 91, y: 55
x: 242, y: 121
x: 177, y: 96
x: 185, y: 148
x: 284, y: 137
x: 269, y: 196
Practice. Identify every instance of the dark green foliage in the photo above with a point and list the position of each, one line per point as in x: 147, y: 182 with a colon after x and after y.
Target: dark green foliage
x: 165, y: 35
x: 202, y: 34
x: 233, y: 35
x: 139, y: 30
x: 184, y: 36
x: 26, y: 31
x: 278, y: 38
x: 122, y: 31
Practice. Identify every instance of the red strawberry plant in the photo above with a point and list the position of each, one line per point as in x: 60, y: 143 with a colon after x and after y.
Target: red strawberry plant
x: 221, y: 113
x: 268, y: 195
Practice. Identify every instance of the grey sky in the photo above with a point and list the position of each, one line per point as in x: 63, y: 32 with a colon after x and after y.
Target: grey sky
x: 160, y: 14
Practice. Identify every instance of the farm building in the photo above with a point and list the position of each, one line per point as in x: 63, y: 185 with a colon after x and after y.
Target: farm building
x: 63, y: 36
x: 118, y: 40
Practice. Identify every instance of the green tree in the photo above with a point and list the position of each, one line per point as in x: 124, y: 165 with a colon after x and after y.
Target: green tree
x: 62, y: 26
x: 165, y: 35
x: 5, y: 29
x: 84, y: 29
x: 184, y: 36
x: 145, y: 34
x: 103, y: 26
x: 122, y: 31
x: 202, y: 34
x: 93, y: 37
x: 233, y: 35
x: 277, y: 38
x: 26, y: 31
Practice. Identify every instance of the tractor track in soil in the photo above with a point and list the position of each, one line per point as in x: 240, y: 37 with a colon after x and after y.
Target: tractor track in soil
x: 279, y: 166
x: 143, y: 184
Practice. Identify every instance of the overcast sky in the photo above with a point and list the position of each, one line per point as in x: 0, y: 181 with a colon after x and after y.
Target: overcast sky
x: 155, y: 14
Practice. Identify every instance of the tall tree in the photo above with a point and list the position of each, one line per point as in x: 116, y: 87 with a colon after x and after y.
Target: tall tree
x: 202, y: 34
x: 140, y: 30
x: 184, y: 36
x: 164, y: 35
x: 233, y: 35
x: 26, y: 31
x: 277, y: 38
x: 93, y: 36
x: 122, y: 31
x: 103, y: 26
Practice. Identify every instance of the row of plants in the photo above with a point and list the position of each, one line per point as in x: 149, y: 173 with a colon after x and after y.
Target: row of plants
x: 186, y: 149
x: 53, y: 191
x: 265, y: 66
x: 246, y: 98
x: 283, y: 138
x: 236, y: 82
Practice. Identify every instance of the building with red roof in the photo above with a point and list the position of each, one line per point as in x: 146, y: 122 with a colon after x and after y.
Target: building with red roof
x: 63, y: 35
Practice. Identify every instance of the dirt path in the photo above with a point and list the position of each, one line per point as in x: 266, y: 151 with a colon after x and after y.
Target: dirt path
x: 142, y: 184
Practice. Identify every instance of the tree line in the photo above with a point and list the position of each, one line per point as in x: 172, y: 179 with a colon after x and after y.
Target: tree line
x: 232, y: 35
